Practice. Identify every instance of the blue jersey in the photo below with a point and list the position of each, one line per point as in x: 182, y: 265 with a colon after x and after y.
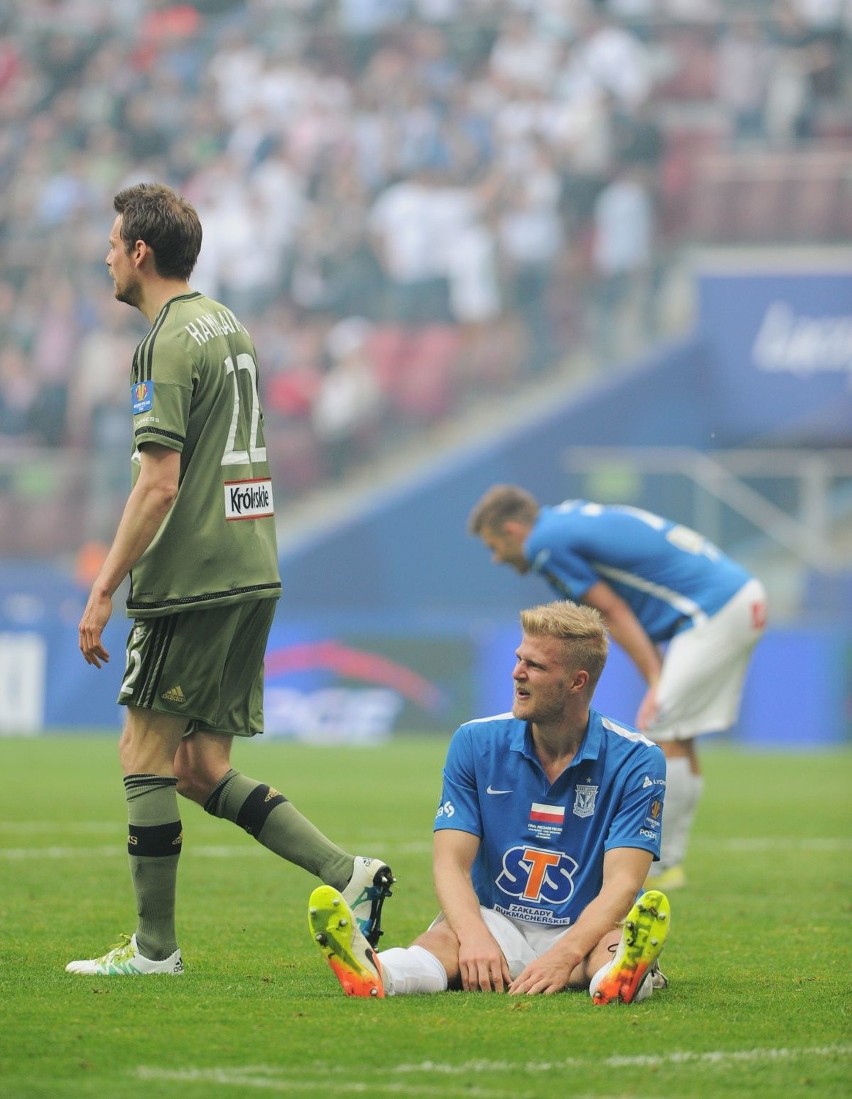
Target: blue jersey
x: 542, y: 845
x: 671, y: 577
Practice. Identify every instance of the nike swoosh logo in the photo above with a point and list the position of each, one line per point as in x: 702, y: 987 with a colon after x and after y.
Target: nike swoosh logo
x: 491, y: 790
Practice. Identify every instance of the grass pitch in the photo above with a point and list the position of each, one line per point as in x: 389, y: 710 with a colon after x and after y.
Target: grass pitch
x: 758, y: 958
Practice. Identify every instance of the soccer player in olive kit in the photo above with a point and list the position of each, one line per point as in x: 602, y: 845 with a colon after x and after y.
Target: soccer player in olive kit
x: 197, y: 539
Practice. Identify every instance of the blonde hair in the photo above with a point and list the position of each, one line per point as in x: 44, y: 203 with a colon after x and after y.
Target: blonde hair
x: 581, y: 628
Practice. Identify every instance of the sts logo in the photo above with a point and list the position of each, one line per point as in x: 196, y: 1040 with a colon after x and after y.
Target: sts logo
x: 535, y: 875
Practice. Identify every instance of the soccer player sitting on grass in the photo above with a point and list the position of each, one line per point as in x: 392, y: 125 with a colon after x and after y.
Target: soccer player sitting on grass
x: 549, y: 819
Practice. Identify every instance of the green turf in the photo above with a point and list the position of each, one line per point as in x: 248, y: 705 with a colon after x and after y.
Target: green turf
x: 758, y: 959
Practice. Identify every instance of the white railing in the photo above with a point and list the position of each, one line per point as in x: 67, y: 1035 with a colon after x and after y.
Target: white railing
x: 720, y: 482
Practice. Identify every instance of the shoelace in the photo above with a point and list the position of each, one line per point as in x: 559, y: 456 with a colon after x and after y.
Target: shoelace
x: 121, y: 951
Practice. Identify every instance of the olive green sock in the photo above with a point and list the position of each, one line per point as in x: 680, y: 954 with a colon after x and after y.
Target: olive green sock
x: 154, y: 844
x: 276, y: 823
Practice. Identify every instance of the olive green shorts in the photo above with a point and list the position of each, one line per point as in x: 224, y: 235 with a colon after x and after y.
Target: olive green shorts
x: 204, y: 665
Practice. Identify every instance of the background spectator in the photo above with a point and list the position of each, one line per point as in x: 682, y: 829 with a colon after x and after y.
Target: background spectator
x: 495, y: 186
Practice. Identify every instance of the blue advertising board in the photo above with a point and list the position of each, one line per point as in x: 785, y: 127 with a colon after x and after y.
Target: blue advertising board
x: 781, y: 348
x: 360, y: 679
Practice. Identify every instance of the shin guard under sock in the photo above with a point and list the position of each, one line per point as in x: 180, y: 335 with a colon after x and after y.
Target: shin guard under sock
x: 154, y: 841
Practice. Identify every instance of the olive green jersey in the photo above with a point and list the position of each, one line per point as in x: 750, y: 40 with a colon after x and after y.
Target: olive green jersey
x: 194, y: 389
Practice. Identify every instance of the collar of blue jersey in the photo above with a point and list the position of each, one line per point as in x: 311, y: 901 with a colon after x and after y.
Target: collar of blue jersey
x: 521, y: 740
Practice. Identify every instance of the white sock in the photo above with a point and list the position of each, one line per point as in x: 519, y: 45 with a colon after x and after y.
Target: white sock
x: 411, y: 970
x: 683, y: 790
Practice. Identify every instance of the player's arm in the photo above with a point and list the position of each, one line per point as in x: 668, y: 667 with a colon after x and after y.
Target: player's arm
x: 627, y: 631
x: 148, y: 504
x: 624, y: 871
x: 481, y: 961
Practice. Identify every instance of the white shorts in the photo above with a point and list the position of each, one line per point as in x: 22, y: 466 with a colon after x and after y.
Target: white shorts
x: 704, y: 669
x: 521, y: 941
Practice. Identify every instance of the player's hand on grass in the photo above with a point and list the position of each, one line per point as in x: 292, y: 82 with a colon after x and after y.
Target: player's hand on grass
x: 544, y: 976
x: 92, y: 624
x: 482, y: 965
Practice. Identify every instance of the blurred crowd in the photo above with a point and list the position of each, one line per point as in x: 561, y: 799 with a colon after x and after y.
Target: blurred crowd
x: 407, y: 202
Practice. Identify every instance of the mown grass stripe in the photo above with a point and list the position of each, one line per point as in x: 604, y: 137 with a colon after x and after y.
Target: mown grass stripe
x: 274, y: 1079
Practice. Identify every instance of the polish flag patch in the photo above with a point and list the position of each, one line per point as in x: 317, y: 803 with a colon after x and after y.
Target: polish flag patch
x: 547, y: 814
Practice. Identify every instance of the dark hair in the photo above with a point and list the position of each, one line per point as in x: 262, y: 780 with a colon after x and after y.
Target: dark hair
x: 165, y: 221
x: 501, y: 504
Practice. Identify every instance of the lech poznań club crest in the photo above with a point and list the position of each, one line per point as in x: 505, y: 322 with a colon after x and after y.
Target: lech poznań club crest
x: 584, y: 800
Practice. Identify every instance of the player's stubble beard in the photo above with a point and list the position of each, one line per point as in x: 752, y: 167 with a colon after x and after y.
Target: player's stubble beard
x: 128, y: 294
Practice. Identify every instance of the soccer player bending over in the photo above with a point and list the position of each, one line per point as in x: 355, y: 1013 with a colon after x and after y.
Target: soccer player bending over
x: 197, y: 539
x: 549, y: 819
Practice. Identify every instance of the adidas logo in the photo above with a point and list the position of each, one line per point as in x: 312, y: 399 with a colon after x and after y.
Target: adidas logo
x: 174, y: 695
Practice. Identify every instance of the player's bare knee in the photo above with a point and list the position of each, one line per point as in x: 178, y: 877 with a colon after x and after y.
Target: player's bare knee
x: 441, y: 941
x: 676, y: 749
x: 191, y: 785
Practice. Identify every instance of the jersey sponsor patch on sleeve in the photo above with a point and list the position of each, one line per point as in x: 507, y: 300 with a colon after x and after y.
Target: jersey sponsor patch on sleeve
x: 142, y: 396
x: 248, y: 499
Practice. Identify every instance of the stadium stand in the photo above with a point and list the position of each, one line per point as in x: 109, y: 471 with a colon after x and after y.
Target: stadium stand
x: 314, y: 134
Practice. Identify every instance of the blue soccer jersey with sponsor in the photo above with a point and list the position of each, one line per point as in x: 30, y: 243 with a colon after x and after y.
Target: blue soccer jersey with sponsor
x: 542, y: 844
x: 670, y: 576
